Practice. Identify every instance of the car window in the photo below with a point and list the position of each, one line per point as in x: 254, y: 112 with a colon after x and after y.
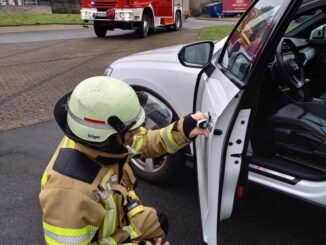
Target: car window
x: 246, y: 41
x: 301, y: 20
x: 318, y: 33
x: 157, y: 113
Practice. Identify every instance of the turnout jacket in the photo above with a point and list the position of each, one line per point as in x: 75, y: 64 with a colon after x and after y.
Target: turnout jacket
x: 85, y: 193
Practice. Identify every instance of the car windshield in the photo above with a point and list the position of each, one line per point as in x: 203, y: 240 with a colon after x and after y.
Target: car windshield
x: 246, y: 41
x: 302, y: 19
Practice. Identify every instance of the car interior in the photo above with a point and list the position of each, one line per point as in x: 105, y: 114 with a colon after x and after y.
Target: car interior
x: 290, y: 126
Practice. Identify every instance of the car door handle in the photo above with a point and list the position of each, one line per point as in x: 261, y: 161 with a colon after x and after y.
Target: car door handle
x: 237, y: 155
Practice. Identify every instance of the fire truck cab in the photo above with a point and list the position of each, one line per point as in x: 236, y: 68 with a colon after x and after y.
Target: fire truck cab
x: 140, y: 15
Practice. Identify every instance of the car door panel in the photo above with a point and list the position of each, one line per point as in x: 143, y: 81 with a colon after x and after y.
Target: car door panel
x: 233, y: 161
x: 219, y: 162
x: 212, y: 92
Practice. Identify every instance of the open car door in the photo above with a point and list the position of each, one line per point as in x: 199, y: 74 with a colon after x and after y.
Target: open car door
x: 229, y: 91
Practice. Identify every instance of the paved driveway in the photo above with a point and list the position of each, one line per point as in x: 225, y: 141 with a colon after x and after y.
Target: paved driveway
x: 35, y: 75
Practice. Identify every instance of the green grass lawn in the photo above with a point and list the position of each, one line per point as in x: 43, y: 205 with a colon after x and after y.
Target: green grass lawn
x: 18, y: 19
x: 215, y: 32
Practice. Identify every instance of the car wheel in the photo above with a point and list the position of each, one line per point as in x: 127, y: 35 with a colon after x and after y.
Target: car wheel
x: 159, y: 169
x: 100, y: 29
x: 144, y: 25
x: 178, y: 22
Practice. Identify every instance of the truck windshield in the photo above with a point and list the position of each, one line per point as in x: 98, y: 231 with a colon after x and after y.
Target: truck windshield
x: 247, y: 40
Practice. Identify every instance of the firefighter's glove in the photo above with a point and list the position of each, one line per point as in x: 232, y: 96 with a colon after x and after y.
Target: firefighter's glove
x: 190, y: 125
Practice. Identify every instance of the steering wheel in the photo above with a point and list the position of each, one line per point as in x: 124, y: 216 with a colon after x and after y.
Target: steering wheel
x: 291, y: 65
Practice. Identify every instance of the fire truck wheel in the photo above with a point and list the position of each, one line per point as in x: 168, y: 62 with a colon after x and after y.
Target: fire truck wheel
x: 100, y: 29
x: 178, y: 22
x: 144, y: 25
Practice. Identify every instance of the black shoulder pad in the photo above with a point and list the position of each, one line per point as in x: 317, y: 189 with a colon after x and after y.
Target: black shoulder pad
x: 77, y: 165
x: 107, y: 160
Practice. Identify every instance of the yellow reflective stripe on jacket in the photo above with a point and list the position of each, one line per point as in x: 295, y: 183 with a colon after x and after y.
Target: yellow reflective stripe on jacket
x: 135, y: 211
x: 65, y: 142
x: 68, y: 143
x: 61, y: 236
x: 138, y: 141
x: 71, y: 144
x: 166, y: 135
x: 131, y: 231
x: 109, y: 224
x: 133, y: 195
x: 106, y: 179
x: 44, y: 180
x: 108, y: 240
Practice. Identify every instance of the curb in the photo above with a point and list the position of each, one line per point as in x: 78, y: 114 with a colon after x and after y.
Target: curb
x: 217, y: 19
x: 36, y: 28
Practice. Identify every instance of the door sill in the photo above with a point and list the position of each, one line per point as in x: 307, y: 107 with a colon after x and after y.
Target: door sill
x: 285, y: 170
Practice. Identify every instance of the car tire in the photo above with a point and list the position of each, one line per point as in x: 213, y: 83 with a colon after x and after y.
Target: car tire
x: 160, y: 169
x: 178, y: 22
x: 144, y: 25
x: 100, y: 29
x: 171, y: 166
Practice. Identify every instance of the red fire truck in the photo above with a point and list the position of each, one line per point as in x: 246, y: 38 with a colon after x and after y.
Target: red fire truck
x: 140, y: 15
x: 235, y: 7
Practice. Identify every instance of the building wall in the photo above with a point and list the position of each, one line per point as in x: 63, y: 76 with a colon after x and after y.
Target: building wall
x: 195, y: 4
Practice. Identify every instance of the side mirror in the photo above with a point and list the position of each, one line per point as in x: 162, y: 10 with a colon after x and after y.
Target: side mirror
x: 196, y: 55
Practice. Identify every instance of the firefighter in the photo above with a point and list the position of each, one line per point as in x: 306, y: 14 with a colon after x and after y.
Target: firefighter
x: 87, y: 190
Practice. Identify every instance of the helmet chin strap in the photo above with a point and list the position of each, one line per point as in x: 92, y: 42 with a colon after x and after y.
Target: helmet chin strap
x: 122, y: 129
x: 130, y: 149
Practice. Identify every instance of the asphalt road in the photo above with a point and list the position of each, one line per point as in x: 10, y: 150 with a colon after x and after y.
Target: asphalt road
x: 79, y: 32
x: 34, y: 75
x: 267, y: 218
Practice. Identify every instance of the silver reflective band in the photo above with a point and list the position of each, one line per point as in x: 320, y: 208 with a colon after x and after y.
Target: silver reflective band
x: 69, y: 239
x: 109, y: 241
x: 101, y: 126
x: 167, y: 141
x: 111, y: 216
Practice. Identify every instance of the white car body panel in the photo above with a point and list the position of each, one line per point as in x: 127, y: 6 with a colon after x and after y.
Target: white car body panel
x: 159, y: 69
x: 145, y: 68
x: 311, y: 191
